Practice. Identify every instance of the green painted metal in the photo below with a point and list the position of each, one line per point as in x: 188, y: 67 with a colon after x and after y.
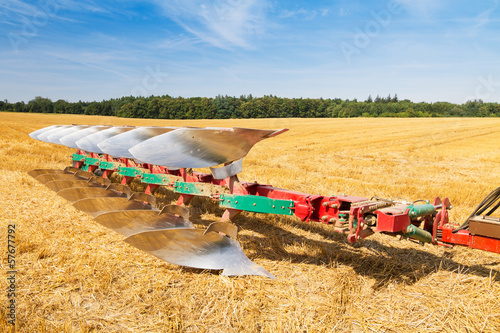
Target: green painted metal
x: 418, y: 234
x: 186, y: 188
x: 131, y: 171
x: 156, y: 178
x: 199, y: 189
x: 421, y: 210
x: 257, y: 204
x: 105, y: 165
x: 91, y: 161
x: 79, y: 157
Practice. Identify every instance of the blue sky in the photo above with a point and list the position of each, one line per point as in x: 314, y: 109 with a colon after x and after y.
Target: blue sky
x: 422, y: 50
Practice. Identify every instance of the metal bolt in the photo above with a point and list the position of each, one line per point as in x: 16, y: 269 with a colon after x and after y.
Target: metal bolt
x: 333, y: 220
x: 236, y: 201
x: 274, y: 206
x: 325, y: 204
x: 334, y: 206
x: 254, y: 204
x: 324, y: 218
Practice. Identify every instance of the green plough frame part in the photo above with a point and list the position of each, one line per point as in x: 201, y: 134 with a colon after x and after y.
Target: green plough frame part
x: 78, y: 157
x: 157, y: 178
x: 91, y: 161
x: 257, y: 204
x: 199, y: 189
x: 131, y: 172
x: 105, y: 165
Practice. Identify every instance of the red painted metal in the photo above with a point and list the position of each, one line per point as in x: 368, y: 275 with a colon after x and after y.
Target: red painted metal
x: 392, y: 219
x: 485, y: 243
x: 151, y: 188
x: 459, y: 238
x: 464, y: 238
x: 344, y: 212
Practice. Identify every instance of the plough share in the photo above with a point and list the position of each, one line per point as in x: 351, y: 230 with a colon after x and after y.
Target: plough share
x: 166, y: 157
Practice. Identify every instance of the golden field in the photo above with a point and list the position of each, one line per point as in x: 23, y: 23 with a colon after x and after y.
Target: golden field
x: 76, y: 276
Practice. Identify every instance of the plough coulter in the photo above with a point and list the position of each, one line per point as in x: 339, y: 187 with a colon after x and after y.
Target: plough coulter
x: 166, y: 156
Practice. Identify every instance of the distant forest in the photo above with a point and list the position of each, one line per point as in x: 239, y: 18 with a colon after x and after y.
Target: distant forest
x: 225, y: 107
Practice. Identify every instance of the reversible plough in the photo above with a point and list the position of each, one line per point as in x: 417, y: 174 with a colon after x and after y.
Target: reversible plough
x: 166, y: 157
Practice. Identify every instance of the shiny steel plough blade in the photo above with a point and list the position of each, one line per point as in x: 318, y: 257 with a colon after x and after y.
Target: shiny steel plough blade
x: 199, y: 147
x: 74, y: 194
x: 58, y: 185
x: 96, y: 187
x: 89, y: 142
x: 35, y: 134
x: 70, y: 139
x: 55, y: 136
x: 176, y: 210
x: 97, y: 206
x: 44, y: 136
x: 168, y: 234
x: 80, y: 179
x: 228, y: 170
x: 223, y: 228
x: 48, y: 177
x: 37, y: 172
x: 67, y: 174
x: 192, y: 248
x: 119, y: 145
x: 129, y: 222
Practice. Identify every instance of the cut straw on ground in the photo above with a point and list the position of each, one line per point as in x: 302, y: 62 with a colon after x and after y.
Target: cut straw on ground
x: 77, y: 276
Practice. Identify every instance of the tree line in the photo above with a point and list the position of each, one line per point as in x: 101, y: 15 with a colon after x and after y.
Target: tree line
x: 225, y: 107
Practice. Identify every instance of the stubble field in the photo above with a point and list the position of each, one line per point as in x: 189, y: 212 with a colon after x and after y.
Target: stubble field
x: 73, y: 275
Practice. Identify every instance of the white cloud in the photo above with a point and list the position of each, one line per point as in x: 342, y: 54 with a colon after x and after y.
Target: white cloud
x: 177, y: 43
x: 17, y: 7
x: 222, y: 23
x: 481, y: 21
x: 11, y: 10
x: 17, y: 12
x: 423, y: 8
x: 308, y: 14
x: 104, y: 62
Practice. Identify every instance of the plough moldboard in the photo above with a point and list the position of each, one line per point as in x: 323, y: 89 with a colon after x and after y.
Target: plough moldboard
x: 166, y: 156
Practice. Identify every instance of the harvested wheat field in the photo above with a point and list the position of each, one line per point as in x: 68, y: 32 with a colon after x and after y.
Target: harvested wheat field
x: 76, y: 276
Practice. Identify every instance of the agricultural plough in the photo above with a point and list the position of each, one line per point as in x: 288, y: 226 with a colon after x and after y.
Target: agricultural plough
x: 108, y: 159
